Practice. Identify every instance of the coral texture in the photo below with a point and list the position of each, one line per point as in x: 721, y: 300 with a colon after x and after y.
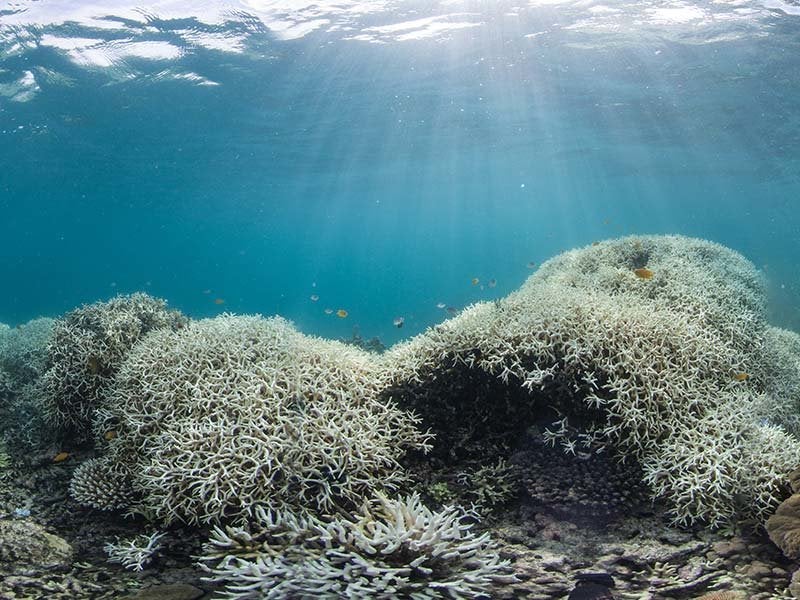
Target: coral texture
x: 229, y: 413
x: 134, y: 554
x: 391, y: 549
x: 85, y: 350
x: 102, y: 484
x: 653, y: 349
x: 23, y: 351
x: 666, y: 370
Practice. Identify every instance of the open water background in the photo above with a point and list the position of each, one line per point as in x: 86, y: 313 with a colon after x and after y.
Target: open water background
x: 383, y: 154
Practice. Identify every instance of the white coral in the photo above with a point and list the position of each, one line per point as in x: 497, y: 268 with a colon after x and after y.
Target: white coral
x: 651, y: 363
x: 232, y: 412
x: 392, y: 549
x: 136, y: 553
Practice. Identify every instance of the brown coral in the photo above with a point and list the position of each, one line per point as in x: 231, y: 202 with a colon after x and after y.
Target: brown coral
x: 723, y: 595
x: 784, y: 527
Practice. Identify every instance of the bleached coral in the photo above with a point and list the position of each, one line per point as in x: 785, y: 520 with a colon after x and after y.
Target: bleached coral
x: 23, y: 351
x: 85, y: 350
x: 671, y: 368
x: 136, y: 553
x: 391, y: 549
x: 102, y: 484
x: 233, y: 412
x: 656, y: 368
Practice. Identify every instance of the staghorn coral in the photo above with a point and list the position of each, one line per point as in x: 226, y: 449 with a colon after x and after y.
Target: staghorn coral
x: 667, y: 373
x: 85, y: 350
x: 23, y: 351
x: 646, y: 367
x: 136, y: 553
x: 391, y: 549
x: 23, y: 354
x: 229, y: 413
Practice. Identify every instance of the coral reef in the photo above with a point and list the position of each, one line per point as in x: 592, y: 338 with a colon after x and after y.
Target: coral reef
x: 664, y: 371
x: 103, y: 485
x: 23, y: 351
x: 592, y: 487
x: 229, y: 413
x: 85, y: 350
x: 136, y: 553
x: 391, y: 549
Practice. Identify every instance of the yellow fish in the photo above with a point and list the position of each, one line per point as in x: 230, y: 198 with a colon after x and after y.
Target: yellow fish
x: 741, y: 377
x: 475, y: 281
x: 61, y: 457
x: 110, y: 435
x: 341, y: 313
x: 643, y: 273
x: 219, y: 301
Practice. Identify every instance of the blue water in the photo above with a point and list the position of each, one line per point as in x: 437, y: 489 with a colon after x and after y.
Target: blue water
x: 381, y: 155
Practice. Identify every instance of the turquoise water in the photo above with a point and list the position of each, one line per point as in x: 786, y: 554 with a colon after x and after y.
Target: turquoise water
x: 381, y: 155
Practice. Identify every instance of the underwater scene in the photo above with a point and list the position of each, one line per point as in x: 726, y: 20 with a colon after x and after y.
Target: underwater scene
x: 381, y: 299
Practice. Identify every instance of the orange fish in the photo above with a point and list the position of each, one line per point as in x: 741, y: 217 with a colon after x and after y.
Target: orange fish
x: 61, y: 457
x: 341, y: 313
x: 741, y: 377
x: 643, y: 273
x: 475, y: 281
x: 219, y: 301
x: 110, y: 435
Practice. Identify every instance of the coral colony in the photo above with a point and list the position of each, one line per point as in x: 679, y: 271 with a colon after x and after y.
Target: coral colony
x: 653, y: 352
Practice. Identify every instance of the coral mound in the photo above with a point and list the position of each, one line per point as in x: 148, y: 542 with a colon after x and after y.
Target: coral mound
x: 87, y: 346
x: 230, y: 413
x: 651, y: 347
x: 391, y: 549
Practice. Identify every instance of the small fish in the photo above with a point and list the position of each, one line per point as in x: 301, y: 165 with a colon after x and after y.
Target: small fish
x: 109, y: 435
x: 61, y: 457
x: 93, y: 365
x: 441, y: 305
x: 595, y: 243
x: 206, y: 292
x: 475, y: 281
x: 313, y: 297
x: 492, y: 283
x: 219, y: 301
x: 643, y: 273
x: 741, y: 376
x: 341, y: 313
x: 452, y: 310
x: 398, y: 322
x: 328, y: 311
x: 531, y: 265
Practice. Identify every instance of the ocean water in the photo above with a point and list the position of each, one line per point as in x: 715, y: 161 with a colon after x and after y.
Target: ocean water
x: 244, y: 156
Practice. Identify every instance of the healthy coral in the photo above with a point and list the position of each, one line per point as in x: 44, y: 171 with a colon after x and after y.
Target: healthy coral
x: 391, y: 549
